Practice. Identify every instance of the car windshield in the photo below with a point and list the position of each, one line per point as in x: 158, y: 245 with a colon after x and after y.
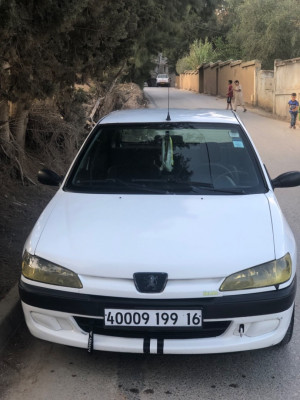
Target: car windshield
x: 167, y: 158
x: 162, y: 76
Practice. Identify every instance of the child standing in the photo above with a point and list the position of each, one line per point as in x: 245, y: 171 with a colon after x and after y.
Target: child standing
x: 229, y: 95
x: 293, y: 109
x: 238, y: 96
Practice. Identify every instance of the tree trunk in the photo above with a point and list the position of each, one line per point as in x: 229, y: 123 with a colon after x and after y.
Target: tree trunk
x: 4, y: 124
x: 19, y: 120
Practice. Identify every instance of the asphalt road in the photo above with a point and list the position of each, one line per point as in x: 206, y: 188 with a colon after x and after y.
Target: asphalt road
x: 37, y: 370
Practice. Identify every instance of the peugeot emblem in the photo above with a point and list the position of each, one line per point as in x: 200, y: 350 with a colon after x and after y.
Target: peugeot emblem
x: 150, y: 282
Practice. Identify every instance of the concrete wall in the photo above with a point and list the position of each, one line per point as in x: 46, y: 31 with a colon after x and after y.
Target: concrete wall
x: 213, y: 78
x: 286, y: 81
x: 270, y: 90
x: 225, y: 73
x: 245, y: 72
x: 248, y: 77
x: 265, y: 90
x: 188, y: 81
x: 210, y: 78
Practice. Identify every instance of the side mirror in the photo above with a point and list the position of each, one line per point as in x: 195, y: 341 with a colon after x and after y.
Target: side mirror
x: 288, y: 179
x: 48, y: 177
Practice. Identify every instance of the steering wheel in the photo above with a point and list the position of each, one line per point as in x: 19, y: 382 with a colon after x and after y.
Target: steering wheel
x: 214, y: 165
x: 230, y: 176
x: 219, y: 171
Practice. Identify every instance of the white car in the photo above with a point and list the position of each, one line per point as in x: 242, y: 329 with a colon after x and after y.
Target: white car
x: 162, y: 80
x: 165, y: 237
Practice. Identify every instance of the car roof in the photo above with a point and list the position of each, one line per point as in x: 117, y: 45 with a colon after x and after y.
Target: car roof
x: 176, y: 114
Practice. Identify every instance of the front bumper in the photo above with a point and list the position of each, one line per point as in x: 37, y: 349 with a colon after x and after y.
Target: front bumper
x: 230, y: 323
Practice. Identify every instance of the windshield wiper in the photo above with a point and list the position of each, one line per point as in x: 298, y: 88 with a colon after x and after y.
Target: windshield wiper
x: 197, y: 189
x: 200, y: 187
x: 173, y: 186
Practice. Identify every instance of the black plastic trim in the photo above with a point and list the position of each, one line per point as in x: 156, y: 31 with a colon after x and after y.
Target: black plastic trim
x: 146, y: 346
x: 208, y: 329
x: 235, y: 306
x: 160, y: 346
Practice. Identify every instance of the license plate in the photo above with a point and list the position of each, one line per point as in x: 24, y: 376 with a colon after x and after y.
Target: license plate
x: 153, y: 318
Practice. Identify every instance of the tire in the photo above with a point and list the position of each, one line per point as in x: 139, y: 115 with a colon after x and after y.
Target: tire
x: 289, y: 333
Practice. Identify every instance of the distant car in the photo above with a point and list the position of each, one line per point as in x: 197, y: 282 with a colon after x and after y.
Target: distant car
x: 165, y: 236
x: 162, y: 80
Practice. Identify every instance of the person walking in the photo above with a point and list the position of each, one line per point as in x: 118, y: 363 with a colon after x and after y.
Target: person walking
x: 293, y: 109
x: 238, y: 96
x: 229, y: 95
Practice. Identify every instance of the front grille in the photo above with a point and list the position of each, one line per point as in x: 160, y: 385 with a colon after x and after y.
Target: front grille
x: 208, y: 330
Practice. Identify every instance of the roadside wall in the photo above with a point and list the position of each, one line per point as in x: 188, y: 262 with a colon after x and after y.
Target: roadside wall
x: 265, y: 90
x: 269, y: 90
x: 245, y: 72
x: 286, y: 81
x: 225, y: 73
x: 210, y: 76
x: 188, y: 81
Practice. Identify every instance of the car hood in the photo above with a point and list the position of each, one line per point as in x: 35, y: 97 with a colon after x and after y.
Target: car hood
x: 186, y: 236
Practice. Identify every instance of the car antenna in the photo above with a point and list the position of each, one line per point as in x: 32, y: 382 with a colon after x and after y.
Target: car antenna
x: 168, y: 116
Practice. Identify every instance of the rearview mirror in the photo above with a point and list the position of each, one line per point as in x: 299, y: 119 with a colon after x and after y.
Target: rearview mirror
x: 48, y: 177
x: 288, y: 179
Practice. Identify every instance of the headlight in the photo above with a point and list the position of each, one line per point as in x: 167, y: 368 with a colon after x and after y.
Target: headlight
x: 38, y: 269
x: 270, y: 274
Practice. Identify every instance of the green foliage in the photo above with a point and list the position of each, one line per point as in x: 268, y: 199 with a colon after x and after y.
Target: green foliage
x: 226, y: 50
x: 47, y: 42
x: 195, y: 20
x: 200, y: 52
x: 184, y: 64
x: 33, y: 34
x: 263, y: 29
x: 251, y: 29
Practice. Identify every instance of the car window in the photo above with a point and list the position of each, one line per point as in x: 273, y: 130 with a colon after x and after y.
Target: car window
x: 167, y: 158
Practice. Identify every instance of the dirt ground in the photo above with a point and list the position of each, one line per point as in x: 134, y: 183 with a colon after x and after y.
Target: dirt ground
x: 21, y: 204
